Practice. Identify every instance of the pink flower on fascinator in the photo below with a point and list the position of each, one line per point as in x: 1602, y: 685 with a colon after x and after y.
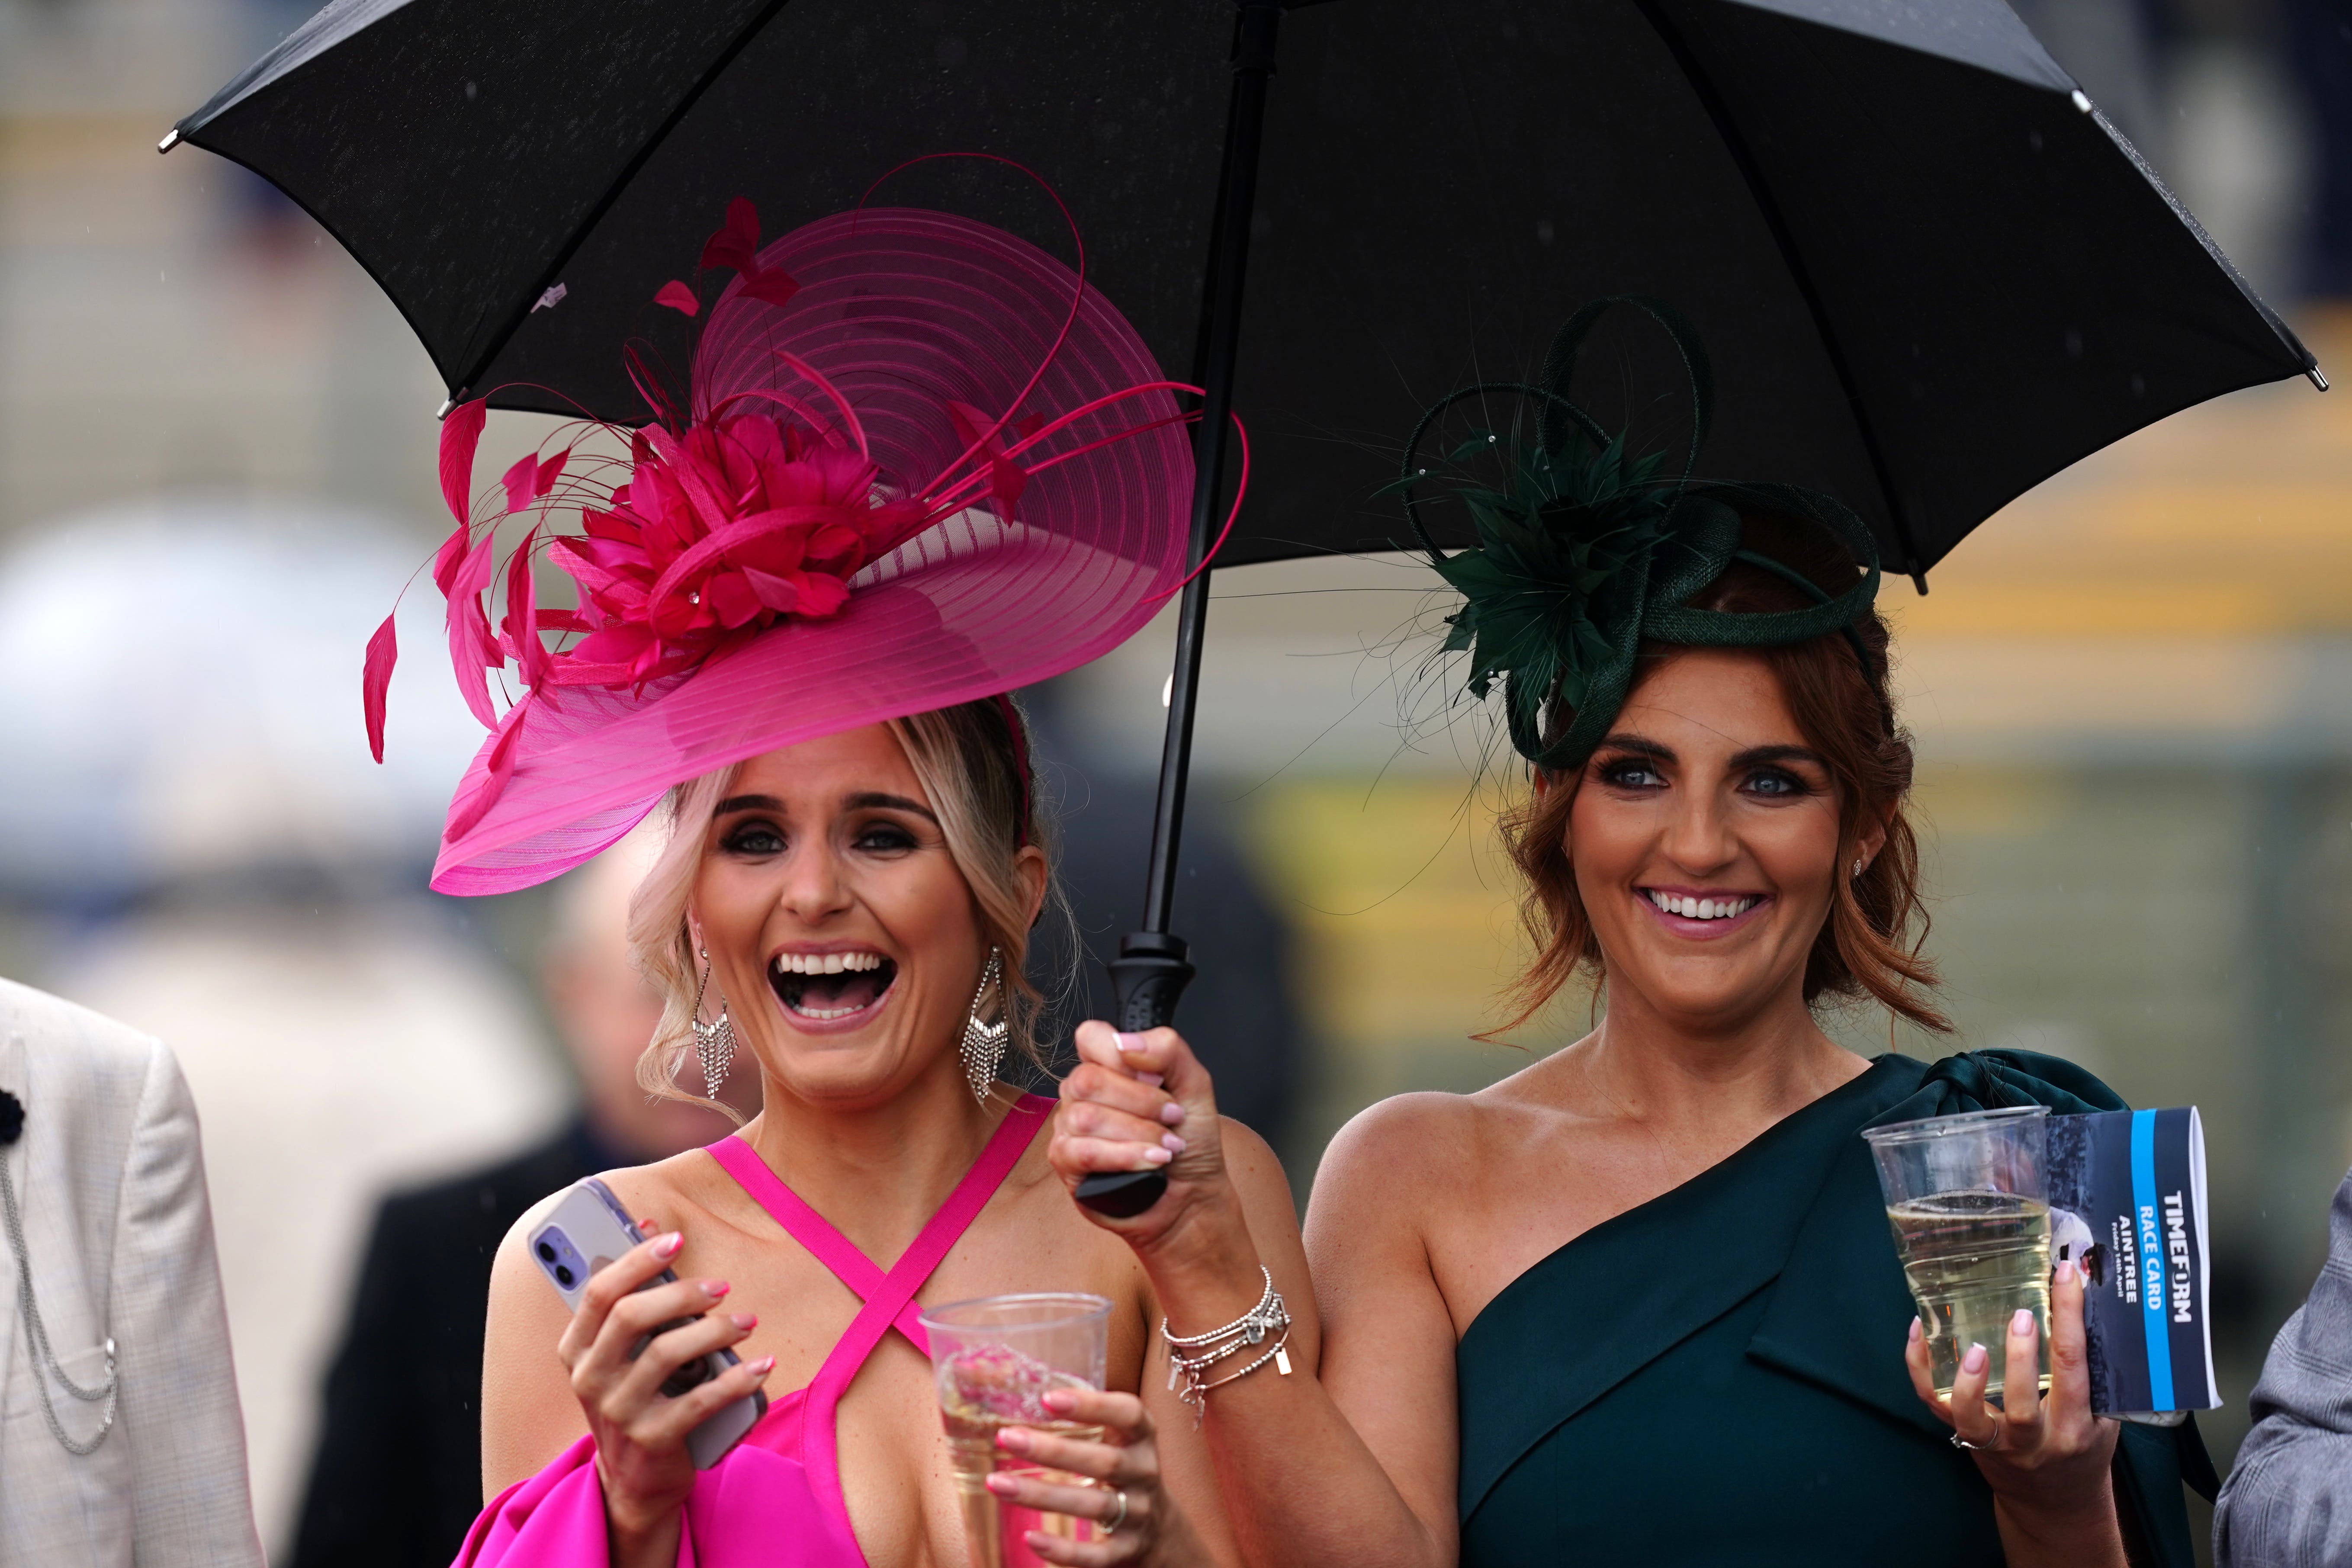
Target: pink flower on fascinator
x: 724, y: 530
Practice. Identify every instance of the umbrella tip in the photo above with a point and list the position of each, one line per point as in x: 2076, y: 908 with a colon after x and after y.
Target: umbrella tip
x: 170, y: 139
x: 1919, y: 581
x: 2082, y: 100
x: 447, y: 404
x: 2317, y: 379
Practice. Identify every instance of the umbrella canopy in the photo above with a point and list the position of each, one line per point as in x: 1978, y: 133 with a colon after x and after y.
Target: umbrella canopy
x: 1931, y: 274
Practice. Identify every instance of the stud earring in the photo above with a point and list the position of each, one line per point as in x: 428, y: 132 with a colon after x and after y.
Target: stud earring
x: 1857, y: 868
x: 983, y: 1044
x: 714, y: 1044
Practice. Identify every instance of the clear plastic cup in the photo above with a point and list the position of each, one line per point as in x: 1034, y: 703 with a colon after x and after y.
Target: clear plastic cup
x: 994, y: 1359
x: 1967, y: 1201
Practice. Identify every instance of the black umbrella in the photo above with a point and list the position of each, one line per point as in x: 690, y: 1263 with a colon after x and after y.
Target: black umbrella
x: 1930, y: 273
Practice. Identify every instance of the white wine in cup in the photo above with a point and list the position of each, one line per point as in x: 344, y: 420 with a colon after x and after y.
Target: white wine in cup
x: 994, y: 1361
x: 1966, y: 1202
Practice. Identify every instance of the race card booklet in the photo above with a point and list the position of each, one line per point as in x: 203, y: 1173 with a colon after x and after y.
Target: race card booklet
x: 2128, y: 1202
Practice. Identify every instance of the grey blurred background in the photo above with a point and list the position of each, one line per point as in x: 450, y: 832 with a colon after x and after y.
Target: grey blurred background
x: 217, y: 471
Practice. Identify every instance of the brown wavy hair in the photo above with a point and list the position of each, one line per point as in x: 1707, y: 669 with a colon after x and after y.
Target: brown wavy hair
x: 1871, y: 945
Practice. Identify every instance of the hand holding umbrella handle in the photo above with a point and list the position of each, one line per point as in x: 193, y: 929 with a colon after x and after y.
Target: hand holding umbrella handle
x: 1149, y: 976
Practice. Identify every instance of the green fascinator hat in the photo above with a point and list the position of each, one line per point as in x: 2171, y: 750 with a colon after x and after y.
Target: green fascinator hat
x: 1590, y: 550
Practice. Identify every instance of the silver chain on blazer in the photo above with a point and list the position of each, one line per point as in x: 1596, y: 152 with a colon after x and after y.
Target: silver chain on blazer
x: 11, y: 1109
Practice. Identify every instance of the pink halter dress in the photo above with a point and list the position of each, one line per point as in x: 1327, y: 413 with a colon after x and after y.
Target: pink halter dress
x: 777, y: 1497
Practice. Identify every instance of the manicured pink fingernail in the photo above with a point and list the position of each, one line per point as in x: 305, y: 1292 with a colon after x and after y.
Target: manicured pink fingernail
x: 1059, y: 1399
x: 668, y: 1245
x: 2063, y: 1272
x: 1173, y: 1114
x: 1038, y: 1540
x: 1149, y: 1080
x: 763, y: 1366
x: 746, y: 1322
x: 1012, y: 1437
x: 1974, y: 1361
x: 714, y: 1289
x: 1128, y: 1042
x: 1915, y: 1331
x: 1157, y: 1156
x: 1173, y: 1144
x: 2022, y: 1323
x: 1001, y: 1484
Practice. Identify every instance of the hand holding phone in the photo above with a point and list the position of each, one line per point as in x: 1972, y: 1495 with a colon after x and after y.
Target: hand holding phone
x: 585, y: 1232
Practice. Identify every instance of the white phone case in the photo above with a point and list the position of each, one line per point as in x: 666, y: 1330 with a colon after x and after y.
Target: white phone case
x: 587, y: 1230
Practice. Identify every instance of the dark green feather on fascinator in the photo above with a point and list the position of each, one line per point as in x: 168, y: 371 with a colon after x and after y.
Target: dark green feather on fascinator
x: 1590, y: 549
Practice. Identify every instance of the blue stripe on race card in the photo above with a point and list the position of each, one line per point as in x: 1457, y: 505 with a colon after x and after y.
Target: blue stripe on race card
x: 2148, y: 1243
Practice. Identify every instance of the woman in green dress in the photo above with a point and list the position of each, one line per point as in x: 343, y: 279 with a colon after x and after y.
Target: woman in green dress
x: 1638, y: 1302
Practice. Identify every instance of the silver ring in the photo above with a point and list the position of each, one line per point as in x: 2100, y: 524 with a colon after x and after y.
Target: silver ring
x: 1110, y: 1525
x: 1984, y: 1448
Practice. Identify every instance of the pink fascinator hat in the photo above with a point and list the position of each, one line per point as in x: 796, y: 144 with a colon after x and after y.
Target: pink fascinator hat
x: 922, y: 463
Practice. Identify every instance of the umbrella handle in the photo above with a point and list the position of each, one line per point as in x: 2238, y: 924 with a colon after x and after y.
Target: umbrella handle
x: 1149, y: 976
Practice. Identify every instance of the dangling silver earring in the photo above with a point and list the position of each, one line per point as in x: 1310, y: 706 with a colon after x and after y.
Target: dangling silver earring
x: 983, y: 1044
x: 714, y: 1044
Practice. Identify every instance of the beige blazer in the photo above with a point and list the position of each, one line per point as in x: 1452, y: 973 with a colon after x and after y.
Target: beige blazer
x: 110, y: 1178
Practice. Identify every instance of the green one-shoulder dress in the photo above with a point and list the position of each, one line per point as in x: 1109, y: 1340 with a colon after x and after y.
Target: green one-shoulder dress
x: 1717, y: 1377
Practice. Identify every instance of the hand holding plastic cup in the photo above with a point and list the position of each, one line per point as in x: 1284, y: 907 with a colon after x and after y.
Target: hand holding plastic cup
x: 1967, y: 1201
x: 995, y: 1359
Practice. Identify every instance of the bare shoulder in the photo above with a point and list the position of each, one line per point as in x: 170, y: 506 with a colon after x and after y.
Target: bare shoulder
x: 1400, y: 1139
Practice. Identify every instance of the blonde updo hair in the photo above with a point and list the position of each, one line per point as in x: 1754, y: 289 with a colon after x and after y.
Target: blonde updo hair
x: 970, y: 762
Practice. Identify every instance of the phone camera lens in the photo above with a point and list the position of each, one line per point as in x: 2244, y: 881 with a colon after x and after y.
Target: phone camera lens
x: 563, y: 1277
x: 546, y: 1253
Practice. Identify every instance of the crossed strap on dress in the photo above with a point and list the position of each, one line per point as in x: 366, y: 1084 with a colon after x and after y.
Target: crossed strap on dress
x: 889, y: 1297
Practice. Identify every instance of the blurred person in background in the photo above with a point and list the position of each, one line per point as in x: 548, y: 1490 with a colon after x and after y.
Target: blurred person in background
x: 397, y: 1478
x: 120, y: 1440
x: 2320, y: 51
x: 1244, y: 999
x: 2288, y: 1500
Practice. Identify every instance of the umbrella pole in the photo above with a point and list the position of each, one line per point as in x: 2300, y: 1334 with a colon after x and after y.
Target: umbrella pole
x: 1152, y: 968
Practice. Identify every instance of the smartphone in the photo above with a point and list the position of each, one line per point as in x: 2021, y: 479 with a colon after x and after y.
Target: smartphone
x: 587, y: 1229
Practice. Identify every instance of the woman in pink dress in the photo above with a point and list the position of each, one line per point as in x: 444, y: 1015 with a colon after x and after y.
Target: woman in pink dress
x: 920, y: 465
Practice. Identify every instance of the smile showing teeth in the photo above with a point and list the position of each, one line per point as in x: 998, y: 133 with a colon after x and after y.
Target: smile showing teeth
x: 827, y: 962
x: 822, y: 987
x: 1692, y: 909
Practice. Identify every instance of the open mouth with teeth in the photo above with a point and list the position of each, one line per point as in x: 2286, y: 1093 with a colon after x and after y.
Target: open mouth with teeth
x: 1689, y: 908
x: 824, y: 987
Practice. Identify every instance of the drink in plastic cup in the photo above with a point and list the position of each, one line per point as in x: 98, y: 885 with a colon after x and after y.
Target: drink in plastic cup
x: 994, y: 1359
x: 1966, y: 1199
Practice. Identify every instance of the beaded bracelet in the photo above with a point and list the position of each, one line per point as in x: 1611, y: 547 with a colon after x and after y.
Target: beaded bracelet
x: 1269, y: 1317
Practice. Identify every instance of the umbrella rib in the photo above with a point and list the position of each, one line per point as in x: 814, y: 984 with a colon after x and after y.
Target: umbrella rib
x: 550, y: 275
x: 1914, y: 564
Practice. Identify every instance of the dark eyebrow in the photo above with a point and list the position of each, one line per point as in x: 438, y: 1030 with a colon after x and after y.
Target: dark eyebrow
x: 866, y: 802
x: 747, y: 802
x: 872, y: 799
x: 1755, y: 756
x: 1639, y: 745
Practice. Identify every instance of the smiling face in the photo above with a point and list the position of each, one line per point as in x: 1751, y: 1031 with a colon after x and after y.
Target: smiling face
x: 1705, y: 839
x: 839, y: 926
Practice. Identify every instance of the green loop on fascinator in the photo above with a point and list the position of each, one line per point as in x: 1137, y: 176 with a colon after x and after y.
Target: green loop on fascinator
x: 1590, y: 550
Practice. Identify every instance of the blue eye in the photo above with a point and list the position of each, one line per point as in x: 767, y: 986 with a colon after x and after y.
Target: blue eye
x: 754, y: 839
x: 1631, y: 775
x: 1776, y: 783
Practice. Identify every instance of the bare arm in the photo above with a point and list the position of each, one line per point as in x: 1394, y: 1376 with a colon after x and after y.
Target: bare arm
x: 529, y: 1416
x: 1302, y: 1489
x: 642, y: 1463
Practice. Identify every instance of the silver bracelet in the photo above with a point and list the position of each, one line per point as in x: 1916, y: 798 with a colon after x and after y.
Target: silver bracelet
x: 1238, y: 1325
x: 1268, y: 1319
